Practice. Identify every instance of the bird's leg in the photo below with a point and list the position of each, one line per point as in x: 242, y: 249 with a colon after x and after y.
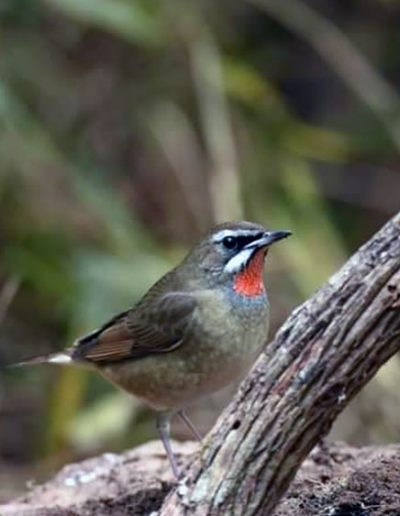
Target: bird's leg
x: 163, y: 427
x: 182, y: 414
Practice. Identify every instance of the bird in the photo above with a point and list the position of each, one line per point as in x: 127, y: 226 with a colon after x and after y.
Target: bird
x: 197, y: 329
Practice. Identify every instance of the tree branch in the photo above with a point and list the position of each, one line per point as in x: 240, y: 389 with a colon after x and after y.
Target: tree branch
x: 327, y: 350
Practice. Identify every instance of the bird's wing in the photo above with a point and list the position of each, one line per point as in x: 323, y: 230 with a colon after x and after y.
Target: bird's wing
x: 157, y: 327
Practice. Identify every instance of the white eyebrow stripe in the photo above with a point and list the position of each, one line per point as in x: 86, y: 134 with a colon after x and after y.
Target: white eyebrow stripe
x: 239, y: 261
x: 218, y: 237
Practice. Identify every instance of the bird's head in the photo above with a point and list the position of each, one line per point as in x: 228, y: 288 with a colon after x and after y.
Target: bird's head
x: 233, y: 254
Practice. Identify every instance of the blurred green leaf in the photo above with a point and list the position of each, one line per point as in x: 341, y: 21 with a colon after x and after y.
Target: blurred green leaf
x: 108, y: 285
x: 102, y: 421
x: 65, y: 401
x: 134, y: 20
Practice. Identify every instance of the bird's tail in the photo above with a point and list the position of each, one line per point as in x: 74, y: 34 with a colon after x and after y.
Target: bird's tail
x: 53, y: 358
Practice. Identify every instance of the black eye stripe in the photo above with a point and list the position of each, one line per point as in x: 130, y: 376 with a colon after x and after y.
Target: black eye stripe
x: 231, y: 242
x: 244, y: 240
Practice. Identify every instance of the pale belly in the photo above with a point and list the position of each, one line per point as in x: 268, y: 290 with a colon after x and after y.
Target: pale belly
x: 176, y: 379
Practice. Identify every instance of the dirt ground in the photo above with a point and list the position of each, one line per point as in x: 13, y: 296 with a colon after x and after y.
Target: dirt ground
x: 335, y: 480
x: 339, y: 480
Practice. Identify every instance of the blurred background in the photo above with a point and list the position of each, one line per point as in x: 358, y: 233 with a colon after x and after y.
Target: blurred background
x: 127, y: 128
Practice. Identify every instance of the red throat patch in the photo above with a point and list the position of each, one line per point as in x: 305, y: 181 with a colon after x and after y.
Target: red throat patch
x: 249, y: 282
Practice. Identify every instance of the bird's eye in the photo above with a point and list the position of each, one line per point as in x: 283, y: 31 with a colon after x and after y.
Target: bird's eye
x: 229, y: 242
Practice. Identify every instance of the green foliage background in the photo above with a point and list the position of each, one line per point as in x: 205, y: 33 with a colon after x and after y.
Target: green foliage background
x: 129, y: 127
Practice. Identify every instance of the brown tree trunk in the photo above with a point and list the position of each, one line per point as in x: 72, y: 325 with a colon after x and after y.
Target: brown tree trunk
x: 328, y: 349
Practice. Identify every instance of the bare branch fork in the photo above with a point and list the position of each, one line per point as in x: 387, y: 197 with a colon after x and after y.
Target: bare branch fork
x: 327, y: 350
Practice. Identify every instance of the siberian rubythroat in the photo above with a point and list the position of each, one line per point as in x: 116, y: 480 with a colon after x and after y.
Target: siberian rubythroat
x: 199, y: 328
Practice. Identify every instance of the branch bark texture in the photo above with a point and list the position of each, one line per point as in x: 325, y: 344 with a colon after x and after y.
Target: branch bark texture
x: 327, y: 350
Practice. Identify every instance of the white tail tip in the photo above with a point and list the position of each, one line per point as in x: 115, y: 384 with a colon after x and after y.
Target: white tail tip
x: 60, y: 358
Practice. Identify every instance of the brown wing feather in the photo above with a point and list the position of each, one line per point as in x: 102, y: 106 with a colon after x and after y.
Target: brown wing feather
x: 117, y: 332
x: 116, y: 350
x: 155, y: 327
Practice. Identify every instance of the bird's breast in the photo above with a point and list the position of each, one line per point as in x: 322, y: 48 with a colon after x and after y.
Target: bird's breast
x: 231, y: 329
x: 221, y: 342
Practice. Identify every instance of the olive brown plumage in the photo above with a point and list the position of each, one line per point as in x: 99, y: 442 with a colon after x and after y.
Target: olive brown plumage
x: 199, y: 328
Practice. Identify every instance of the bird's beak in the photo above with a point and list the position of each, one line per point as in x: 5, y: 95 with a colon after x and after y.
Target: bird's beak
x: 268, y: 238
